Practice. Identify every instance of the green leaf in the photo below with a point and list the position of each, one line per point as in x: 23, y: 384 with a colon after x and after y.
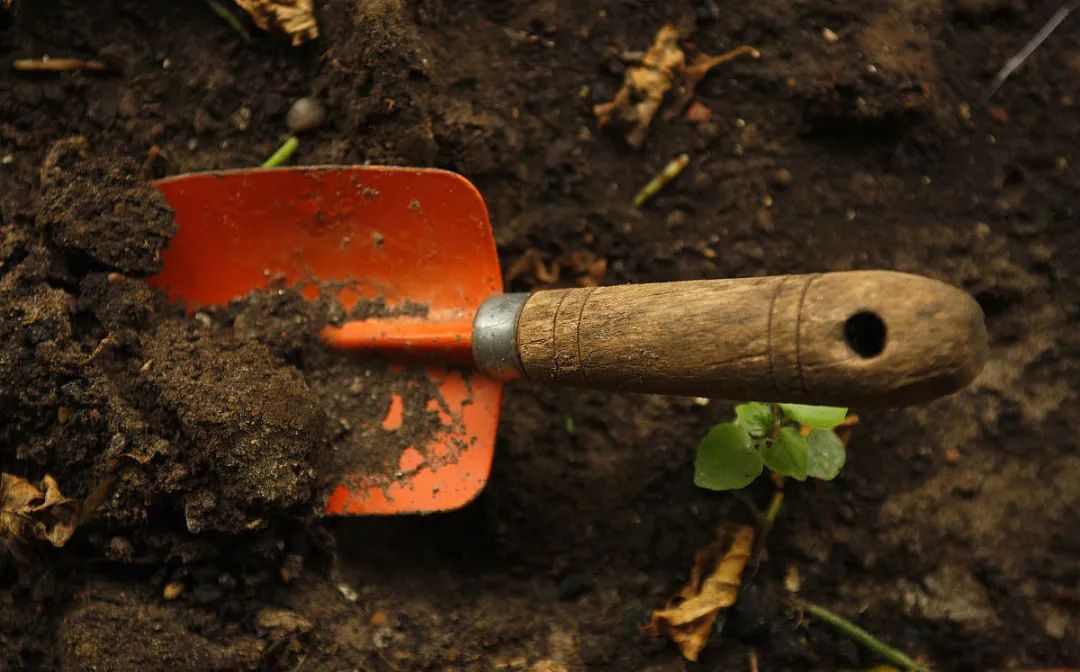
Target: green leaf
x: 818, y: 417
x: 726, y: 459
x: 756, y: 418
x: 787, y: 455
x: 826, y: 454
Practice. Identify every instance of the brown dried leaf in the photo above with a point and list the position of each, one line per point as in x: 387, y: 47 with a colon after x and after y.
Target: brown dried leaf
x: 714, y: 585
x: 27, y: 512
x: 644, y: 86
x: 295, y: 18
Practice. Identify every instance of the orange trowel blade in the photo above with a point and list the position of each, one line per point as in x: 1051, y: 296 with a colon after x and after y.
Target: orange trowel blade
x: 404, y: 235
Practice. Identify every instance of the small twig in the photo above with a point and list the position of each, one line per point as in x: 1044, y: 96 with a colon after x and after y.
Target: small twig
x: 752, y: 655
x: 695, y: 72
x: 669, y: 173
x: 1028, y: 49
x: 283, y: 153
x: 846, y: 627
x: 230, y: 19
x: 47, y: 64
x: 303, y: 659
x: 100, y: 348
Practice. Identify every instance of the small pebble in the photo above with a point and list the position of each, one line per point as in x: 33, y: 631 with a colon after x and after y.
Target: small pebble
x: 829, y: 36
x: 173, y: 590
x: 952, y: 455
x: 347, y: 592
x: 305, y: 114
x: 792, y: 582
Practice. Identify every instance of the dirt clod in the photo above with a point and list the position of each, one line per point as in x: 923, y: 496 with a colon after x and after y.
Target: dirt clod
x: 102, y: 209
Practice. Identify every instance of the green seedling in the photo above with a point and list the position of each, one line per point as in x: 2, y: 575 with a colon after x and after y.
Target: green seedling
x: 733, y: 454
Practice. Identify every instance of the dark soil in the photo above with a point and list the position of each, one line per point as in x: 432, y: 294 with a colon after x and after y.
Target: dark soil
x: 199, y: 441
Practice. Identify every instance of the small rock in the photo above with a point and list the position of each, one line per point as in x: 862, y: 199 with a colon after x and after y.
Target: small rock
x: 241, y: 119
x: 173, y: 590
x: 348, y: 592
x: 829, y: 36
x: 952, y: 455
x: 305, y: 114
x: 792, y: 582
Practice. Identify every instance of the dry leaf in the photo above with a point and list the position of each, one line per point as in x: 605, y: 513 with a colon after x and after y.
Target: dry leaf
x: 644, y: 86
x: 27, y: 512
x: 714, y: 585
x: 295, y: 18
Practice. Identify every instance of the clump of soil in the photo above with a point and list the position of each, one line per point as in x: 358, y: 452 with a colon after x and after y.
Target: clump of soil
x: 103, y: 209
x: 245, y: 426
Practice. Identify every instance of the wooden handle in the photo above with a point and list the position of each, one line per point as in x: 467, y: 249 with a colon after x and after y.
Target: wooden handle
x: 859, y: 338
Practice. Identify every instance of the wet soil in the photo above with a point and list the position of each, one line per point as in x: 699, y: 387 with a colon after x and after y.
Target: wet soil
x: 949, y: 534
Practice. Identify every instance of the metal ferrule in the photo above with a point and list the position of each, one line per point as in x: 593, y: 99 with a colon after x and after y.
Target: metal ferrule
x: 494, y: 336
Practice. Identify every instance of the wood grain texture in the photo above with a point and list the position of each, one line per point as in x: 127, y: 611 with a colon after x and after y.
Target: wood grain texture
x: 780, y: 338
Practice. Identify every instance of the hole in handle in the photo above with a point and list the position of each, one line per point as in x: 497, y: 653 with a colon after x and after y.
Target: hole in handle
x: 865, y: 334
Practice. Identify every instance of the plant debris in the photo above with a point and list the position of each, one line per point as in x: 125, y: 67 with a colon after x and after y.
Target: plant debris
x: 229, y: 18
x: 669, y: 173
x: 46, y: 64
x: 295, y: 18
x: 646, y: 83
x: 588, y: 269
x: 849, y: 629
x: 700, y: 66
x: 644, y: 86
x: 283, y: 153
x: 689, y: 616
x: 35, y: 512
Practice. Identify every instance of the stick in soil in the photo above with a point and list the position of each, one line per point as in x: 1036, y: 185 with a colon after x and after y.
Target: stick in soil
x: 57, y: 65
x: 230, y: 19
x: 669, y: 173
x: 283, y: 153
x: 846, y: 627
x: 1028, y: 49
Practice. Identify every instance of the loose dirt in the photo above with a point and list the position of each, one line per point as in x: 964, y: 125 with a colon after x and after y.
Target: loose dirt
x: 949, y: 534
